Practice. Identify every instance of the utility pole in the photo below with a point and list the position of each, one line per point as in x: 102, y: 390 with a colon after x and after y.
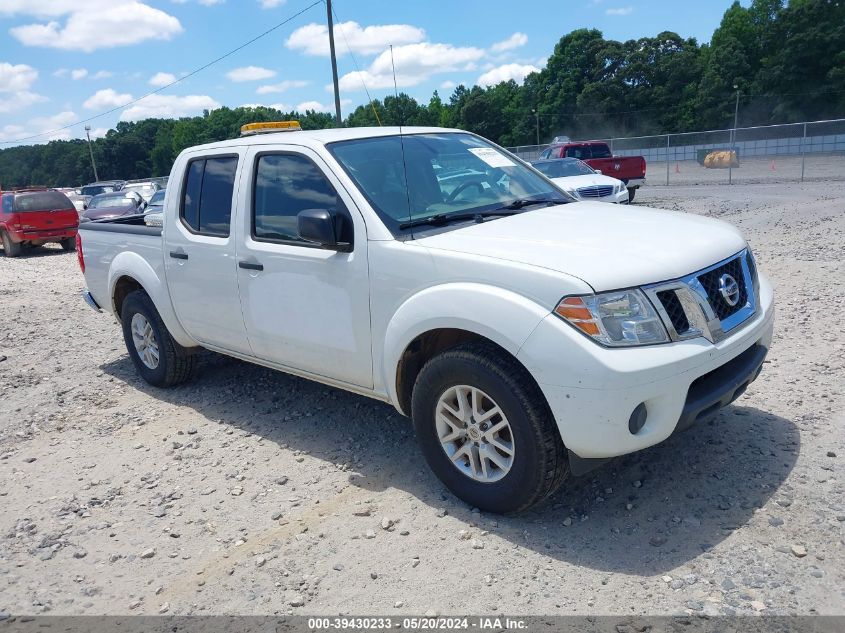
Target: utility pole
x: 537, y: 122
x: 334, y: 64
x: 91, y: 152
x: 733, y: 137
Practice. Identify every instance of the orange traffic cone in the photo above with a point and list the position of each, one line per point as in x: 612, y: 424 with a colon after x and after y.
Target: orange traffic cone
x: 772, y: 166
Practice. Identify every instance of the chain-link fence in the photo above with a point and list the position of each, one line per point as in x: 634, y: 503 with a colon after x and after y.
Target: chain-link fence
x: 814, y: 150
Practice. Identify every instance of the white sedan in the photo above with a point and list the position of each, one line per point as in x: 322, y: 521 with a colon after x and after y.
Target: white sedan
x: 581, y: 181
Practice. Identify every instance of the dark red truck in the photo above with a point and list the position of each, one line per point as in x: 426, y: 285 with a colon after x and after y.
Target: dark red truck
x: 597, y: 154
x: 35, y: 217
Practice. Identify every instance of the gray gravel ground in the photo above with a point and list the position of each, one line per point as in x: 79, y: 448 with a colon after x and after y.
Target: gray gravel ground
x: 248, y: 491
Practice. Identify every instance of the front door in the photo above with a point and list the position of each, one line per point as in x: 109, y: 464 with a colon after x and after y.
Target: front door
x: 304, y: 307
x: 200, y: 248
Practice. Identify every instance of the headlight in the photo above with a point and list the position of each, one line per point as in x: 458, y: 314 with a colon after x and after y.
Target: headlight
x: 620, y: 187
x: 617, y: 319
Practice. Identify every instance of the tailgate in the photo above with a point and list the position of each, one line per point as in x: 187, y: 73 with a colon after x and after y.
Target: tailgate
x: 622, y: 167
x: 51, y: 220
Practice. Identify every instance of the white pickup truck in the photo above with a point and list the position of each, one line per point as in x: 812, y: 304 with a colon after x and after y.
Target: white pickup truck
x: 528, y: 336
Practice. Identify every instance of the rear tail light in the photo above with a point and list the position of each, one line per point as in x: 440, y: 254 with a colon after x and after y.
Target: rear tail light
x: 79, y: 255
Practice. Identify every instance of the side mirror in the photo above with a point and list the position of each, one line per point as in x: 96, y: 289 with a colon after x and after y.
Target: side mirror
x: 320, y: 227
x: 598, y: 171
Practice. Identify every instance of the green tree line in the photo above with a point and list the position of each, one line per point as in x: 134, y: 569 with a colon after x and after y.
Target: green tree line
x: 785, y: 59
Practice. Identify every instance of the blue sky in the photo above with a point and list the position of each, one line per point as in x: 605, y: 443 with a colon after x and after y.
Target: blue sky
x: 62, y: 61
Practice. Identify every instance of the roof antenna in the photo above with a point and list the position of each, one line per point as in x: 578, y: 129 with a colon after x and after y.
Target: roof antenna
x: 401, y: 138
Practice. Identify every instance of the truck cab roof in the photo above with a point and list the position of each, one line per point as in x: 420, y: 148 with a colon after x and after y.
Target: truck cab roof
x: 312, y: 138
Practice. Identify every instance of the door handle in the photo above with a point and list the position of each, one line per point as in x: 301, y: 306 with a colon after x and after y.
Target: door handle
x: 250, y: 266
x: 178, y: 255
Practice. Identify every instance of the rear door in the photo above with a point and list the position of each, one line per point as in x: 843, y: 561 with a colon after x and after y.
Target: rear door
x: 304, y: 307
x: 199, y: 250
x: 45, y: 212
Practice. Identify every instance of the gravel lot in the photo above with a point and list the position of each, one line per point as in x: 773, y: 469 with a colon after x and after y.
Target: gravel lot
x: 248, y: 491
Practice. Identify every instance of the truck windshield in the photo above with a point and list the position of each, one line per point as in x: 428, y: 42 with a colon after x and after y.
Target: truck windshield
x: 417, y: 176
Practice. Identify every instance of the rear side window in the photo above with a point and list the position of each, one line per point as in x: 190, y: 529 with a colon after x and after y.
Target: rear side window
x: 286, y: 184
x: 8, y: 204
x: 601, y: 151
x: 582, y: 152
x: 207, y: 195
x: 42, y: 201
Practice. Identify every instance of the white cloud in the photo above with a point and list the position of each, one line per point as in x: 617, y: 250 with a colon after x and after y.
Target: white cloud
x: 313, y: 39
x: 415, y: 63
x: 162, y: 79
x: 619, y: 11
x: 102, y: 74
x: 40, y: 125
x: 210, y: 3
x: 250, y: 73
x: 61, y: 72
x: 281, y: 87
x: 284, y: 107
x: 15, y: 83
x: 447, y: 85
x: 90, y: 24
x: 506, y: 72
x: 16, y: 77
x: 78, y: 73
x: 106, y: 99
x: 514, y: 41
x: 271, y: 4
x: 320, y: 107
x: 169, y: 107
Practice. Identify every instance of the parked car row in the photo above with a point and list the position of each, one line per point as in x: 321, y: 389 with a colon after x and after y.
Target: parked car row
x: 33, y: 217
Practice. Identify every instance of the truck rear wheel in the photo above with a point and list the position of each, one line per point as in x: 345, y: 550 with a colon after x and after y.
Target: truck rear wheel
x: 159, y: 359
x: 485, y: 429
x: 68, y: 244
x: 10, y: 248
x: 632, y: 191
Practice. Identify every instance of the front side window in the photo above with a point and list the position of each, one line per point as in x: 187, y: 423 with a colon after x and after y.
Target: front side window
x: 286, y: 184
x: 421, y: 175
x: 207, y: 198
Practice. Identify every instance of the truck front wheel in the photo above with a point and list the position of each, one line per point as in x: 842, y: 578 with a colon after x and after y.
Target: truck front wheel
x: 485, y: 429
x: 632, y: 191
x: 159, y: 359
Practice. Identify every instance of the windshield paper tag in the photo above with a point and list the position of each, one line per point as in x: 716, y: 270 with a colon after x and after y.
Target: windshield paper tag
x: 492, y: 157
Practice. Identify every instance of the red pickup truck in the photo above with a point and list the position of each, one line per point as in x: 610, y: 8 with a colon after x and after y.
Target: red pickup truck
x: 35, y: 217
x: 628, y: 169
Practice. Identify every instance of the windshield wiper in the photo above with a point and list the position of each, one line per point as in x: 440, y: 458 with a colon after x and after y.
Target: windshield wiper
x: 521, y: 203
x: 439, y: 219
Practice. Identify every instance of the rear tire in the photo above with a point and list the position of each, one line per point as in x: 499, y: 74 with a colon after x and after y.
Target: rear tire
x: 632, y: 191
x: 512, y: 482
x: 10, y: 248
x: 159, y: 359
x: 68, y: 244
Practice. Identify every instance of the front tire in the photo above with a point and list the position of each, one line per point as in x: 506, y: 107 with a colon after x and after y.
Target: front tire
x: 10, y: 248
x: 159, y: 359
x: 632, y: 191
x: 474, y: 404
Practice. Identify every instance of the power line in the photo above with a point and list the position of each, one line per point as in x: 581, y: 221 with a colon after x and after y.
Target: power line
x: 172, y: 83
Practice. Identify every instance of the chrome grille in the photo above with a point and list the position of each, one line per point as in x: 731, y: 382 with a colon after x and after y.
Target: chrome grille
x: 711, y: 280
x: 595, y: 191
x: 674, y: 309
x: 695, y: 306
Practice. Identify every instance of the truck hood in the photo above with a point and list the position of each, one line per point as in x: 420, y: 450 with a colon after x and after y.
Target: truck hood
x: 608, y: 246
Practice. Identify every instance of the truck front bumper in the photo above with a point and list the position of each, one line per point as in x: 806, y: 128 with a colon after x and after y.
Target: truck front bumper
x: 593, y: 391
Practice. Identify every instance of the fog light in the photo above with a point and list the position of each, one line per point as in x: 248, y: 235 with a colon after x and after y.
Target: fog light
x: 637, y: 419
